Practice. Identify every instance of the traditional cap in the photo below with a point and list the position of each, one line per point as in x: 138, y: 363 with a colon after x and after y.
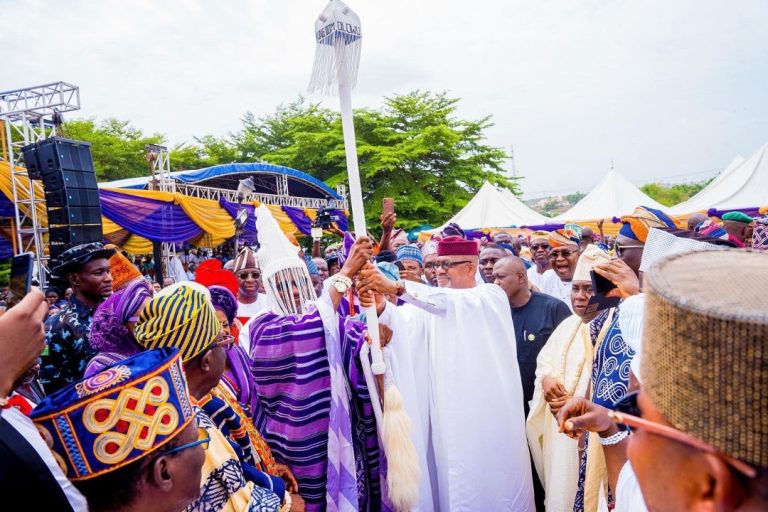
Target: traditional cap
x: 429, y: 248
x: 211, y: 273
x: 389, y: 270
x: 569, y: 235
x: 456, y: 246
x: 180, y: 316
x: 738, y: 217
x: 662, y: 243
x: 541, y: 234
x: 119, y: 415
x: 453, y: 229
x: 637, y: 225
x: 121, y: 269
x: 409, y: 252
x: 399, y: 235
x: 591, y: 257
x: 80, y: 255
x: 224, y: 300
x: 705, y: 348
x: 281, y: 266
x: 246, y: 259
x: 760, y: 235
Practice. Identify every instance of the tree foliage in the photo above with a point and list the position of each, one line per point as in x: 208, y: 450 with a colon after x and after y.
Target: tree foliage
x: 414, y: 148
x: 670, y: 195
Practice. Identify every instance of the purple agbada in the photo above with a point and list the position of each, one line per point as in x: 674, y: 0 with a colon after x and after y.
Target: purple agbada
x: 109, y: 334
x: 292, y: 369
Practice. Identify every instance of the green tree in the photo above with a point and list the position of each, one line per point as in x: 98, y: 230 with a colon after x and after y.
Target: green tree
x: 670, y: 195
x: 414, y: 149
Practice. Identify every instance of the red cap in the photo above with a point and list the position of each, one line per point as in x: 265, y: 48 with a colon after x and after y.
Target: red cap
x: 210, y: 273
x: 456, y: 246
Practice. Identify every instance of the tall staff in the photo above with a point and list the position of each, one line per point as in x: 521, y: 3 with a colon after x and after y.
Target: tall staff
x: 337, y: 59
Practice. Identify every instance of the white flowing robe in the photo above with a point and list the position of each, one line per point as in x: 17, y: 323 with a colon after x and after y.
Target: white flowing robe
x: 476, y: 399
x: 567, y: 357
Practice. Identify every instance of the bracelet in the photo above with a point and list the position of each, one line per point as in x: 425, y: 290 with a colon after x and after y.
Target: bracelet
x: 400, y: 288
x: 287, y: 503
x: 614, y: 439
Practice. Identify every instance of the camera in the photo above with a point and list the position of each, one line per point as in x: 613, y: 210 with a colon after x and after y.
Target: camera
x: 326, y: 217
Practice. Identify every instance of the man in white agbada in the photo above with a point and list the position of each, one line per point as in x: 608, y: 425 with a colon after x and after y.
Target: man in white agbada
x: 563, y: 370
x: 477, y: 428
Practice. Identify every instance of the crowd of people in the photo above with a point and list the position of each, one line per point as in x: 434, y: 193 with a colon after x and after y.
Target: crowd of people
x: 244, y: 384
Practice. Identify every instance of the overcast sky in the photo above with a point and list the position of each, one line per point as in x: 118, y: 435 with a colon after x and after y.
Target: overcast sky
x: 666, y: 89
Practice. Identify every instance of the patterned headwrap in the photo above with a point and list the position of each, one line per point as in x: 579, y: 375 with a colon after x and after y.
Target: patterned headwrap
x: 180, y: 316
x: 121, y: 269
x: 108, y: 329
x: 569, y: 235
x: 712, y: 229
x: 117, y: 416
x: 637, y: 225
x: 409, y: 252
x: 245, y: 260
x: 224, y: 300
x: 760, y: 235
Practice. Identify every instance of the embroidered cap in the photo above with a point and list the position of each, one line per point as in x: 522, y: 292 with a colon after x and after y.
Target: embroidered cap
x: 117, y: 416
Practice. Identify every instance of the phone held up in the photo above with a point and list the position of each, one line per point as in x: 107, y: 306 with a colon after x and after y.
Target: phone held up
x: 388, y: 206
x: 601, y: 286
x: 22, y: 267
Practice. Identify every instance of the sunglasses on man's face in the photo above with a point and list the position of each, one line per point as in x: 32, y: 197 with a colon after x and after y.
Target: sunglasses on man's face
x: 252, y: 275
x: 565, y: 253
x: 540, y: 247
x: 202, y: 439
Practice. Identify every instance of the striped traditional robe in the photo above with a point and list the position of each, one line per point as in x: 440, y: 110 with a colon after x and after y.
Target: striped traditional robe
x: 290, y: 365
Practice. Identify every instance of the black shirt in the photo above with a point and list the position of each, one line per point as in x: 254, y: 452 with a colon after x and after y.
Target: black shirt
x: 534, y: 323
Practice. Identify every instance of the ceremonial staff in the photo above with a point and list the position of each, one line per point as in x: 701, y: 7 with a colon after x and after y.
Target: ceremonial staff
x: 337, y: 58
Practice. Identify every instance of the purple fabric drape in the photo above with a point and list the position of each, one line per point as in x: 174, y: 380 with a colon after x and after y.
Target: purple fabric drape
x: 155, y: 220
x: 249, y: 230
x: 752, y: 212
x: 299, y: 218
x: 343, y: 221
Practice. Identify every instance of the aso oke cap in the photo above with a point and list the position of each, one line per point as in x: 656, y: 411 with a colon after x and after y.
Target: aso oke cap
x: 569, y: 235
x: 121, y: 269
x: 738, y: 217
x: 246, y: 259
x: 119, y: 415
x: 456, y: 246
x: 705, y: 348
x: 409, y: 252
x: 589, y: 259
x: 637, y: 225
x: 540, y: 235
x: 180, y: 316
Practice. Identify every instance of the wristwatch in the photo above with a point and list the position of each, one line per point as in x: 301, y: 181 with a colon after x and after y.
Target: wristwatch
x: 341, y: 283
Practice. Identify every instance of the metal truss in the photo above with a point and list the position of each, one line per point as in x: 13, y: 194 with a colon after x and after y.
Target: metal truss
x: 25, y: 114
x: 160, y: 163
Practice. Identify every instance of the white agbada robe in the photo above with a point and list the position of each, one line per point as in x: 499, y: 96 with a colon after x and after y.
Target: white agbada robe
x: 567, y: 357
x: 476, y: 399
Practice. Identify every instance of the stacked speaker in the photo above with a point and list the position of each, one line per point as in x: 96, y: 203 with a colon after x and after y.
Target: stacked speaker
x: 71, y: 193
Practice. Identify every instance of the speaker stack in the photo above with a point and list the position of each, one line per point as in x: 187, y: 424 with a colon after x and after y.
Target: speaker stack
x: 71, y: 193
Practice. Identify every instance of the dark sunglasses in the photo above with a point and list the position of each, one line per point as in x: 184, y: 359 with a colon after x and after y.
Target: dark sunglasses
x: 621, y: 248
x: 252, y: 275
x: 536, y: 247
x: 565, y: 253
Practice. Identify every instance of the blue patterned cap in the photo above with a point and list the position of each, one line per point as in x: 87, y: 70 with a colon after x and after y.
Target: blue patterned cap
x: 409, y: 252
x: 117, y: 416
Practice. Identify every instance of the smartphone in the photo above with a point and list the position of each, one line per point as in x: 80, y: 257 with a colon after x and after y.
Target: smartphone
x: 600, y: 284
x: 388, y: 206
x: 400, y: 266
x: 22, y: 267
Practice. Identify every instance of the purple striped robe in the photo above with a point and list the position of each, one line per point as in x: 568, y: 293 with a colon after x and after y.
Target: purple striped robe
x: 291, y: 370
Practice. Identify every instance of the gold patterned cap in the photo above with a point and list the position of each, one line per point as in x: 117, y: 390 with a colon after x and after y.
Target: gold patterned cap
x: 117, y: 416
x: 705, y: 348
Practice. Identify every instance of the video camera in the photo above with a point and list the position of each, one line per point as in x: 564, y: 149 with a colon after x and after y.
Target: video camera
x: 326, y: 217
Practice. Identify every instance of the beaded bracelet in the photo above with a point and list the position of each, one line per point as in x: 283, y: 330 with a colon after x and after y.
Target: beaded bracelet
x: 614, y: 439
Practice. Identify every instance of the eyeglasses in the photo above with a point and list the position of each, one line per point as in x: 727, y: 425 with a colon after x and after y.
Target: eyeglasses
x: 252, y: 275
x: 634, y: 421
x: 202, y: 439
x: 565, y: 253
x: 431, y: 265
x: 621, y: 248
x: 536, y: 247
x: 447, y: 265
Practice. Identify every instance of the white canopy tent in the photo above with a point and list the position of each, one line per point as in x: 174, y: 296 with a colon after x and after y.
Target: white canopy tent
x: 491, y: 208
x: 743, y: 184
x: 613, y: 196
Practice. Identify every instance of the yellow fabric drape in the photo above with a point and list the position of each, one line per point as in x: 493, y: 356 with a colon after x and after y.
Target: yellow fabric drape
x: 209, y: 215
x: 282, y: 219
x: 6, y: 187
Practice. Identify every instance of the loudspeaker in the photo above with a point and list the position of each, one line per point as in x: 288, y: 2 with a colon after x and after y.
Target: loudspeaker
x: 74, y: 215
x: 31, y: 162
x: 69, y: 179
x: 88, y: 197
x: 75, y: 234
x: 55, y: 154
